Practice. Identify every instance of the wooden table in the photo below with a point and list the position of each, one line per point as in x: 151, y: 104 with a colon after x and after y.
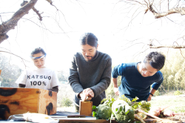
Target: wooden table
x: 73, y: 117
x: 88, y: 119
x: 93, y: 120
x: 69, y: 117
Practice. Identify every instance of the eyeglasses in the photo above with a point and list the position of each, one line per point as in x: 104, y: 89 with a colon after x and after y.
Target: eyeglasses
x: 38, y: 57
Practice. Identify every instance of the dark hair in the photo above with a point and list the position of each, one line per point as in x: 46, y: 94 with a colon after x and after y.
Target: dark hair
x: 155, y: 59
x: 38, y: 50
x: 90, y: 39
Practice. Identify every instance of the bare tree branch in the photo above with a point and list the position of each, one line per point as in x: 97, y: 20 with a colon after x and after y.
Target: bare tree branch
x: 13, y: 54
x: 150, y: 7
x: 180, y: 10
x: 37, y: 12
x: 51, y: 2
x: 12, y: 22
x: 23, y: 60
x: 182, y: 54
x: 174, y: 47
x: 171, y: 11
x: 34, y: 9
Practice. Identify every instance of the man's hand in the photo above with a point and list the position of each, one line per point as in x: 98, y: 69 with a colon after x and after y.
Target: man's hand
x: 150, y: 97
x: 87, y: 94
x: 116, y: 91
x: 151, y: 94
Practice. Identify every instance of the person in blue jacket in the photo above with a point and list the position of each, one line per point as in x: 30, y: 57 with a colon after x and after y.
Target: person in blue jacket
x: 138, y: 77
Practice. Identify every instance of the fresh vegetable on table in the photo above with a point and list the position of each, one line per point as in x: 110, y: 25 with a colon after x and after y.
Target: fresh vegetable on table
x: 104, y: 110
x: 122, y: 110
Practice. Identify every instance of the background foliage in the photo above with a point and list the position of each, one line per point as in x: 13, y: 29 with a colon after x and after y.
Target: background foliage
x: 174, y: 71
x: 9, y: 72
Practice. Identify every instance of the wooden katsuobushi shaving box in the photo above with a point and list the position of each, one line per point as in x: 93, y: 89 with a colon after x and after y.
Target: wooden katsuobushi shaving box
x: 22, y: 100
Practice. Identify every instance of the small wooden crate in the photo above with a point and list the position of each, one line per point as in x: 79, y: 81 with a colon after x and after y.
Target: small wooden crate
x: 23, y: 100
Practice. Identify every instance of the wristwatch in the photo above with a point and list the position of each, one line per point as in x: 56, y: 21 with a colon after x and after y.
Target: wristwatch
x: 151, y: 94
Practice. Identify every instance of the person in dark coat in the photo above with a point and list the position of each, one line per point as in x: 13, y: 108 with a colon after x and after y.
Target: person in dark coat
x: 90, y: 72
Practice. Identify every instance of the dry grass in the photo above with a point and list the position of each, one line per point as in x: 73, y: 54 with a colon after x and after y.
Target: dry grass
x: 175, y: 102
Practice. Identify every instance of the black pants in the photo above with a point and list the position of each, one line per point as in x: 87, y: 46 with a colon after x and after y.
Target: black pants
x: 76, y: 108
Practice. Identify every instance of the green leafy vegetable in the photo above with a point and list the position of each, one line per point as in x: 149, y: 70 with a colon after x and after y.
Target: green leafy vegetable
x: 103, y: 111
x: 122, y: 111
